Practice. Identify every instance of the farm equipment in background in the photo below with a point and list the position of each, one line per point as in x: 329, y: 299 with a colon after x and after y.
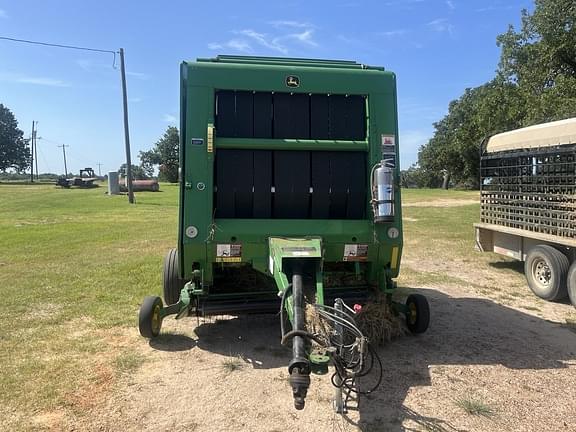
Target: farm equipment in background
x: 527, y: 204
x: 289, y: 201
x: 85, y: 180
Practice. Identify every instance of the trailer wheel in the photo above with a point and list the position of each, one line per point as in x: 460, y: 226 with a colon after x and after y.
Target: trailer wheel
x: 572, y: 284
x: 172, y: 284
x: 418, y: 314
x: 149, y: 319
x: 546, y: 269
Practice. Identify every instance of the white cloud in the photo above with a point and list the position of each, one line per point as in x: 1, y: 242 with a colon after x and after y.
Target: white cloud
x: 169, y: 118
x: 135, y: 100
x: 294, y: 24
x: 305, y: 37
x: 265, y: 40
x: 239, y: 45
x: 284, y: 37
x: 441, y: 25
x: 138, y: 75
x: 43, y: 81
x: 50, y: 82
x: 3, y: 14
x: 450, y: 4
x: 393, y: 33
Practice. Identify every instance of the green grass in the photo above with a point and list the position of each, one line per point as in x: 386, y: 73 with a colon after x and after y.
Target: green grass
x: 76, y: 264
x: 423, y: 195
x: 474, y: 406
x: 128, y: 362
x: 73, y: 264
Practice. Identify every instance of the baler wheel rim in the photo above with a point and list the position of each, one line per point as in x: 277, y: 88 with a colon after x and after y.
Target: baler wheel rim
x: 150, y: 318
x: 418, y: 313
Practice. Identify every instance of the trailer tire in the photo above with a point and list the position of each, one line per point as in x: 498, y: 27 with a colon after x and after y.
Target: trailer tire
x: 171, y: 282
x: 418, y: 314
x: 571, y: 282
x: 149, y: 319
x: 546, y: 269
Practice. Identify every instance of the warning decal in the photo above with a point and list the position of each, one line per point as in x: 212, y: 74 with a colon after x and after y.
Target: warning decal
x: 228, y: 253
x: 355, y: 252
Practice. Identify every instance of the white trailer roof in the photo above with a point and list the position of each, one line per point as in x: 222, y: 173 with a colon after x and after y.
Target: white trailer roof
x: 542, y: 135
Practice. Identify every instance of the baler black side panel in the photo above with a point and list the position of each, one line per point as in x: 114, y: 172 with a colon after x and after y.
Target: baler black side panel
x: 319, y: 117
x: 320, y: 200
x: 226, y: 113
x: 245, y: 179
x: 292, y: 184
x: 337, y: 117
x: 356, y: 118
x: 291, y: 116
x: 356, y: 205
x: 244, y: 127
x: 262, y: 184
x: 246, y: 114
x: 262, y: 115
x: 347, y: 117
x: 234, y: 179
x: 243, y: 176
x: 339, y: 174
x: 225, y: 185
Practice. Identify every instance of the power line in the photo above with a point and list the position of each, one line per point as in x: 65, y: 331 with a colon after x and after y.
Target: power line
x: 62, y: 46
x: 124, y: 98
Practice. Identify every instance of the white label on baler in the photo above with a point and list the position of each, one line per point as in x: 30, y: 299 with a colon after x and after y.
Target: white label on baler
x: 228, y: 252
x: 355, y: 252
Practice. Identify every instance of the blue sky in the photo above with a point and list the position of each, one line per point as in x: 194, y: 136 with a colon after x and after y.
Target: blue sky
x: 437, y: 48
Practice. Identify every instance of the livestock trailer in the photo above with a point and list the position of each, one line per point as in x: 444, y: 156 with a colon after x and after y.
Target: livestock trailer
x: 528, y: 204
x: 289, y: 197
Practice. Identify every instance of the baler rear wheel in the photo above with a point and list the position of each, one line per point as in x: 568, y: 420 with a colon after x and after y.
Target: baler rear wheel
x: 149, y: 318
x: 418, y: 314
x: 172, y: 284
x: 546, y: 269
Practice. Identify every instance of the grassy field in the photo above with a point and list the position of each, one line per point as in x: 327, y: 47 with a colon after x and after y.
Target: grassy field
x: 75, y: 265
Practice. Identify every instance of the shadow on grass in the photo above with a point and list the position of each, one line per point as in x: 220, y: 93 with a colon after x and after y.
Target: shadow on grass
x: 517, y: 266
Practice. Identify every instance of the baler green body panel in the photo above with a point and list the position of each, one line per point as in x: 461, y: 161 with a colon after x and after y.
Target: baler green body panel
x: 200, y: 231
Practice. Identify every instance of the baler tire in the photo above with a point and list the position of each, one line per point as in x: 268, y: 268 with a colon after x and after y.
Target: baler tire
x: 149, y: 319
x: 171, y: 282
x: 571, y: 282
x: 546, y: 270
x: 418, y: 315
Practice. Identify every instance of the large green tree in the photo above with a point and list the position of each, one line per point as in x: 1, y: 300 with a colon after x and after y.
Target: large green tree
x: 164, y: 155
x: 14, y: 150
x: 540, y: 59
x: 480, y: 112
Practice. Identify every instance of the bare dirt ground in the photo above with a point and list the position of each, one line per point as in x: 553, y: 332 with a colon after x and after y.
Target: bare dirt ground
x: 490, y: 343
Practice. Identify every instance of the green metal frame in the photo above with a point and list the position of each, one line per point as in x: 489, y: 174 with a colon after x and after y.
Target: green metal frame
x: 199, y: 81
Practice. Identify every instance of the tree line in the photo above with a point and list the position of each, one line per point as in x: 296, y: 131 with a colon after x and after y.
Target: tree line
x: 535, y: 83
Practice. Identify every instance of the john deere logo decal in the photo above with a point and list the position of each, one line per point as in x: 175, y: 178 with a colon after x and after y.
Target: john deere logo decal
x: 292, y: 81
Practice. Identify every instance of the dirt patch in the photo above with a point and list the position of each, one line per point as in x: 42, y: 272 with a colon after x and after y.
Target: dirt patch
x: 441, y: 203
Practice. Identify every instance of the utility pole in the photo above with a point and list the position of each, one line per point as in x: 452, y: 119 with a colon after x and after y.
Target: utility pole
x: 64, y: 154
x: 32, y: 154
x: 99, y: 172
x: 35, y: 140
x: 126, y: 132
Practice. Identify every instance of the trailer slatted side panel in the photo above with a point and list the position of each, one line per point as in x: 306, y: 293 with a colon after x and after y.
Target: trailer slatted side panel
x: 533, y: 190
